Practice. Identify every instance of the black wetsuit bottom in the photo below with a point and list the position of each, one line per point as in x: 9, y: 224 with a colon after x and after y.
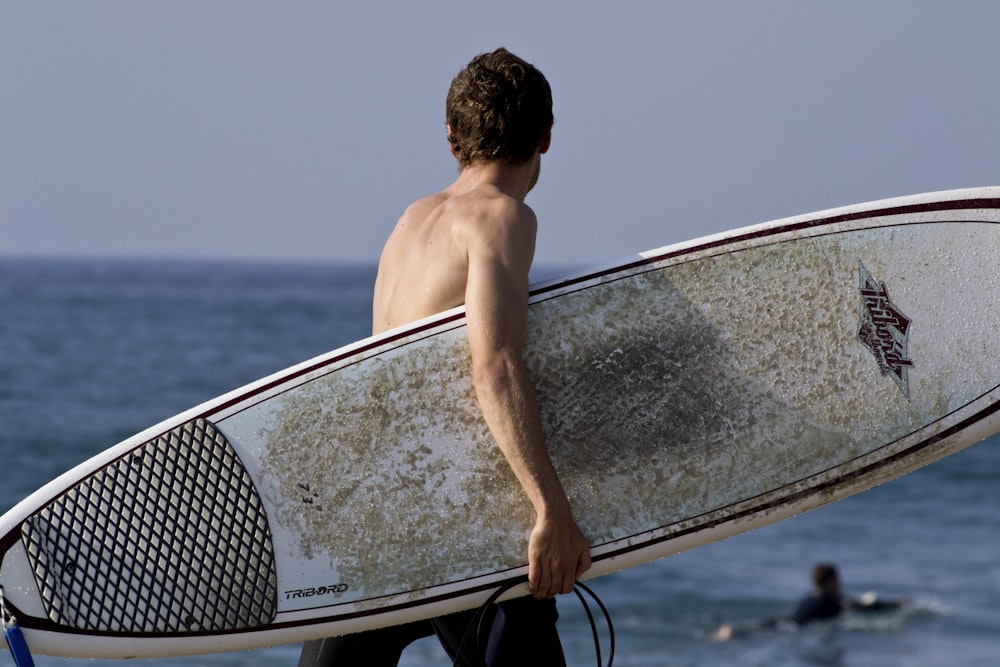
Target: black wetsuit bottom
x: 516, y: 633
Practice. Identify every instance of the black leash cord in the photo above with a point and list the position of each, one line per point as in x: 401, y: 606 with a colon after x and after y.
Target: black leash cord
x: 593, y: 626
x: 476, y: 624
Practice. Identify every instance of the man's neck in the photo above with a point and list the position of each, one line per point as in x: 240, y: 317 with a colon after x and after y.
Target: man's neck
x: 514, y: 180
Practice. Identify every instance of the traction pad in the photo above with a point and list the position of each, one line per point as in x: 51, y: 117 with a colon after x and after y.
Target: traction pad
x: 170, y: 538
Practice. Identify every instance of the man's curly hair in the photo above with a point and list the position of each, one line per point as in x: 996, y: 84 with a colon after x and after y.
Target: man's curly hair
x: 499, y: 108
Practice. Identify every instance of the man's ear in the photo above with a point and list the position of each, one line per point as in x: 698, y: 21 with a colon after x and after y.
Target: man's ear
x: 546, y: 142
x: 451, y: 146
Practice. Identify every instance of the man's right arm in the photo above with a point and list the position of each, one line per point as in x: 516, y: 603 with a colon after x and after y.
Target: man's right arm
x: 499, y: 257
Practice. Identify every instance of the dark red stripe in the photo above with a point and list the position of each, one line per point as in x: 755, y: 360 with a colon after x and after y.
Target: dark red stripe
x: 956, y: 205
x: 813, y: 490
x: 910, y: 209
x: 8, y: 540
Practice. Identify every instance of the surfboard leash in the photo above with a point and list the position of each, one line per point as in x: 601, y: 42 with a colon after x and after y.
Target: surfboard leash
x: 593, y: 625
x: 15, y: 639
x: 475, y: 626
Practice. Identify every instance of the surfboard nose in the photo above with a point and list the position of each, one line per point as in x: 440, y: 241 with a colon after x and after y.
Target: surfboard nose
x: 170, y: 538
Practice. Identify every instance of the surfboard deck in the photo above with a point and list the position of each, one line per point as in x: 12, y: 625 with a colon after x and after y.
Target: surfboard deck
x: 688, y: 394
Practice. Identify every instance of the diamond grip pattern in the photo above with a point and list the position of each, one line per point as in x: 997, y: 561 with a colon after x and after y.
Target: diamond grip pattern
x: 170, y: 538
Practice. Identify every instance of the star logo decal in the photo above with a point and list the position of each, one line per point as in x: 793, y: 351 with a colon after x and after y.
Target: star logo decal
x: 884, y: 330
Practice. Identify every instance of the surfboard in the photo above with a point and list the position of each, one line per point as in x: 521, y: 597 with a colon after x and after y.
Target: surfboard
x: 688, y: 393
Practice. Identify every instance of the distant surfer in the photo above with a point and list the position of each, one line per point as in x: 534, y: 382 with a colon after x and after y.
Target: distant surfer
x: 824, y: 603
x: 473, y: 244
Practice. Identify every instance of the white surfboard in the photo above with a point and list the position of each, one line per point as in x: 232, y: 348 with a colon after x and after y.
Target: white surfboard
x: 688, y: 393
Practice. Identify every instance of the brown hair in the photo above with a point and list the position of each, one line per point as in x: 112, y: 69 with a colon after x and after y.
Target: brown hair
x: 499, y: 108
x: 823, y: 574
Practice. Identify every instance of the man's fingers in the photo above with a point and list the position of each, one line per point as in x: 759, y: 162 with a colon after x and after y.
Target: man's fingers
x: 546, y: 581
x: 551, y: 583
x: 540, y: 583
x: 568, y: 582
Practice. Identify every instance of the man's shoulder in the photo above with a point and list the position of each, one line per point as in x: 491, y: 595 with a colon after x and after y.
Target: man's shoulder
x: 481, y: 220
x: 501, y: 220
x: 475, y: 205
x: 423, y: 207
x: 492, y: 210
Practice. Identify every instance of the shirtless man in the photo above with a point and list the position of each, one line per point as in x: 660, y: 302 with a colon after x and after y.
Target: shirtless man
x: 473, y: 243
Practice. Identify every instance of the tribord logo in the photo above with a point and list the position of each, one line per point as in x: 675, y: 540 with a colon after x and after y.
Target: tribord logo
x: 315, y: 591
x: 884, y: 330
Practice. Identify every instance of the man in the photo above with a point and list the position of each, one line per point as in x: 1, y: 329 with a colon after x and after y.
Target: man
x: 473, y: 244
x: 827, y: 601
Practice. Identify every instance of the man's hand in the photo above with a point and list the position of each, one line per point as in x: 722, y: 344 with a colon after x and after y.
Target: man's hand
x: 558, y: 554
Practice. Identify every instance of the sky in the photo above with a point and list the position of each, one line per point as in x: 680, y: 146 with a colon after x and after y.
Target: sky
x: 245, y: 129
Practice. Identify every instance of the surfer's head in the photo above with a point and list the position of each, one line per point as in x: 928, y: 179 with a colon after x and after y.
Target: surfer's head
x: 825, y: 578
x: 499, y: 109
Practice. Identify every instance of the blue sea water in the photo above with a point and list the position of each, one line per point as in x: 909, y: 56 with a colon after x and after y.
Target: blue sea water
x: 92, y: 352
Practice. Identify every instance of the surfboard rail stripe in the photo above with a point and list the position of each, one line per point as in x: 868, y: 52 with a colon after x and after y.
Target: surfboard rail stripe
x: 455, y: 317
x: 832, y: 480
x: 819, y: 446
x: 823, y: 483
x: 764, y: 231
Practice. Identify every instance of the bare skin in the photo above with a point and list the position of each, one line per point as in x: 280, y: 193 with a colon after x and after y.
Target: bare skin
x: 473, y: 243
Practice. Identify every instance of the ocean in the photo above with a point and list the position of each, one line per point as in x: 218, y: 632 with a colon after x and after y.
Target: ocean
x: 94, y: 351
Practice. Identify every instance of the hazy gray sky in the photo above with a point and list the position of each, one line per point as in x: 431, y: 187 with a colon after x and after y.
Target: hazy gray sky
x: 300, y: 130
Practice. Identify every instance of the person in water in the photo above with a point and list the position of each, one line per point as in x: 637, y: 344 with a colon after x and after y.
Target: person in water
x: 826, y: 601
